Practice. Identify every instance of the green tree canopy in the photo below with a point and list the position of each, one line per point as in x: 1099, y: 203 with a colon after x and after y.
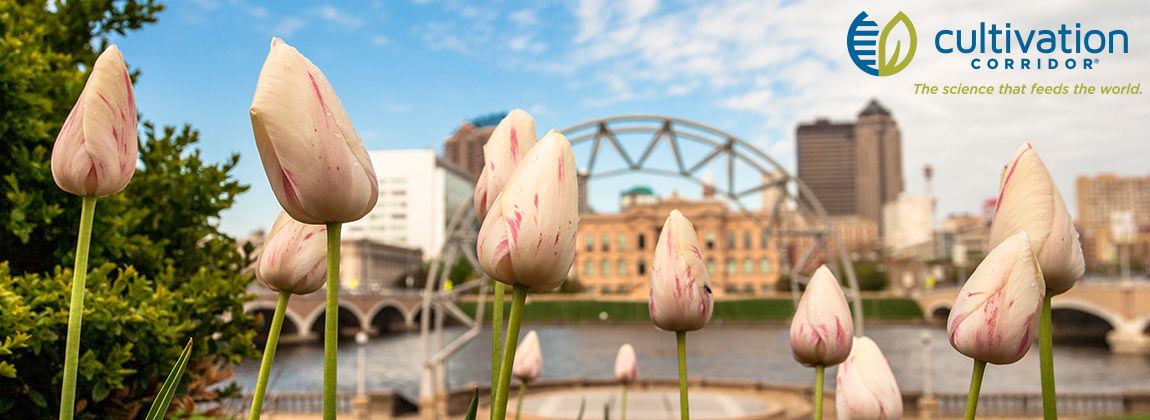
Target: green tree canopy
x: 163, y: 272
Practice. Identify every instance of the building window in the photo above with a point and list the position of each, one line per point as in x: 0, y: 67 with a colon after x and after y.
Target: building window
x: 622, y: 268
x: 606, y: 268
x: 589, y: 242
x: 710, y: 240
x: 764, y: 265
x: 605, y: 289
x: 763, y: 239
x: 748, y: 266
x: 749, y: 288
x: 588, y: 268
x: 732, y: 267
x: 711, y: 266
x: 747, y: 243
x: 621, y: 242
x: 642, y: 241
x: 730, y: 240
x: 605, y: 241
x: 642, y: 268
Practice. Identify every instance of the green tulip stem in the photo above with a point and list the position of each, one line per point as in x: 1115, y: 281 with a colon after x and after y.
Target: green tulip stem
x: 269, y: 355
x: 496, y: 334
x: 975, y: 386
x: 623, y: 403
x: 819, y: 375
x: 1046, y: 361
x: 684, y: 408
x: 519, y: 298
x: 331, y: 322
x: 519, y: 399
x: 76, y: 309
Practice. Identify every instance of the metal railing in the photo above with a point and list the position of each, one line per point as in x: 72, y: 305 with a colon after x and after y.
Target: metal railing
x: 1030, y: 405
x: 288, y: 402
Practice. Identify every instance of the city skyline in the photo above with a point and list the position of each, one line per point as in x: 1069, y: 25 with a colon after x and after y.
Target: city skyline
x: 397, y: 69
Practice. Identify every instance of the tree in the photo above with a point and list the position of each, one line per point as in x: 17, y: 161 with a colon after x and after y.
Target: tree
x: 163, y: 272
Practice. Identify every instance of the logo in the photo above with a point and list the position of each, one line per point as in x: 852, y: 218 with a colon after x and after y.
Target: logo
x: 870, y: 49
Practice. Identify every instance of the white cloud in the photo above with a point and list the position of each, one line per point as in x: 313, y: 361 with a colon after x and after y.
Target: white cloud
x: 380, y: 41
x: 524, y: 17
x: 339, y: 17
x: 786, y: 62
x: 288, y: 26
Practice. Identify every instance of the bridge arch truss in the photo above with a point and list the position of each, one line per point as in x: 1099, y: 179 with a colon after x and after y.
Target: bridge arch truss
x: 661, y: 146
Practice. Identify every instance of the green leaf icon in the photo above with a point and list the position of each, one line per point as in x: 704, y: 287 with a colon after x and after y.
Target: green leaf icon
x: 891, y: 64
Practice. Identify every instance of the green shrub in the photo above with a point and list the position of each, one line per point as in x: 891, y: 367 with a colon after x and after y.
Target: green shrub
x: 134, y: 329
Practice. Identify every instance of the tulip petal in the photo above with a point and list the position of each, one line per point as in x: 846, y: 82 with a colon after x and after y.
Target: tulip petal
x: 822, y: 330
x: 304, y: 135
x: 865, y: 386
x: 1028, y: 201
x: 293, y: 257
x: 680, y: 294
x: 508, y: 144
x: 95, y: 152
x: 994, y: 316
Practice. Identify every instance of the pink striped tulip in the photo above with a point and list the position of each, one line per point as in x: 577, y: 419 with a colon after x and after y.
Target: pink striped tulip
x: 994, y: 317
x: 626, y: 367
x: 528, y: 359
x: 680, y: 295
x: 1029, y: 201
x: 865, y: 388
x: 528, y: 236
x: 822, y: 330
x: 293, y: 257
x: 95, y: 151
x: 314, y: 160
x: 508, y: 144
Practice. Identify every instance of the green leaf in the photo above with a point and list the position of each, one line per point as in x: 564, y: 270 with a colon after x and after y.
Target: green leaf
x: 888, y: 65
x: 473, y: 408
x: 164, y: 397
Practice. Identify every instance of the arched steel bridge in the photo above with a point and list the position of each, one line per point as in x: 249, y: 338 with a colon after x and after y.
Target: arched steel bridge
x: 795, y: 218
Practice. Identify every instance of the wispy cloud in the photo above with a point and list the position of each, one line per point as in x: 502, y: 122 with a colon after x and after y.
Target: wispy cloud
x: 524, y: 17
x: 342, y: 19
x: 380, y: 41
x: 288, y: 26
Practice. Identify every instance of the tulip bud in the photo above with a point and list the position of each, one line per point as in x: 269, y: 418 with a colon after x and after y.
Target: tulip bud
x: 822, y: 330
x: 680, y: 296
x: 294, y: 257
x: 993, y: 318
x: 528, y: 359
x: 317, y: 167
x: 1029, y: 201
x: 865, y: 387
x: 509, y: 143
x: 626, y: 368
x: 95, y: 152
x: 528, y: 236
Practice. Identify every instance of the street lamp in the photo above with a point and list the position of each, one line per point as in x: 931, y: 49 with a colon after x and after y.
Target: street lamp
x: 361, y: 362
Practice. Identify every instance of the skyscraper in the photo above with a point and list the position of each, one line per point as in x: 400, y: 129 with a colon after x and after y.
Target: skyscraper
x: 853, y: 168
x: 464, y: 148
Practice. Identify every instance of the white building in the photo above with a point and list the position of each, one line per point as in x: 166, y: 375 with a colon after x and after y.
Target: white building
x: 909, y: 221
x: 418, y: 194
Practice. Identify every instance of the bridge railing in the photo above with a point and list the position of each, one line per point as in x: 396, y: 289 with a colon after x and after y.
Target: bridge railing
x: 288, y: 403
x: 1030, y: 405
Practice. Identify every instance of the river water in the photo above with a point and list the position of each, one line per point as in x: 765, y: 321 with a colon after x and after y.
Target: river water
x: 759, y: 352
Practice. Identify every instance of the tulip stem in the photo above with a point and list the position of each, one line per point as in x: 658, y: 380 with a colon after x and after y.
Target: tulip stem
x: 975, y: 386
x: 496, y: 335
x: 1046, y: 360
x: 684, y: 408
x: 623, y: 403
x: 331, y: 322
x: 819, y: 374
x: 269, y: 355
x: 510, y: 341
x: 76, y: 309
x: 519, y: 399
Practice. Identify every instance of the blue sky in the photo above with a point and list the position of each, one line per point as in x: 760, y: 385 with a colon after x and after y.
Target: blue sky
x: 409, y: 72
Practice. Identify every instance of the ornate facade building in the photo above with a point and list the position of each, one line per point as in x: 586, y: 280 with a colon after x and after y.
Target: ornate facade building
x: 615, y: 249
